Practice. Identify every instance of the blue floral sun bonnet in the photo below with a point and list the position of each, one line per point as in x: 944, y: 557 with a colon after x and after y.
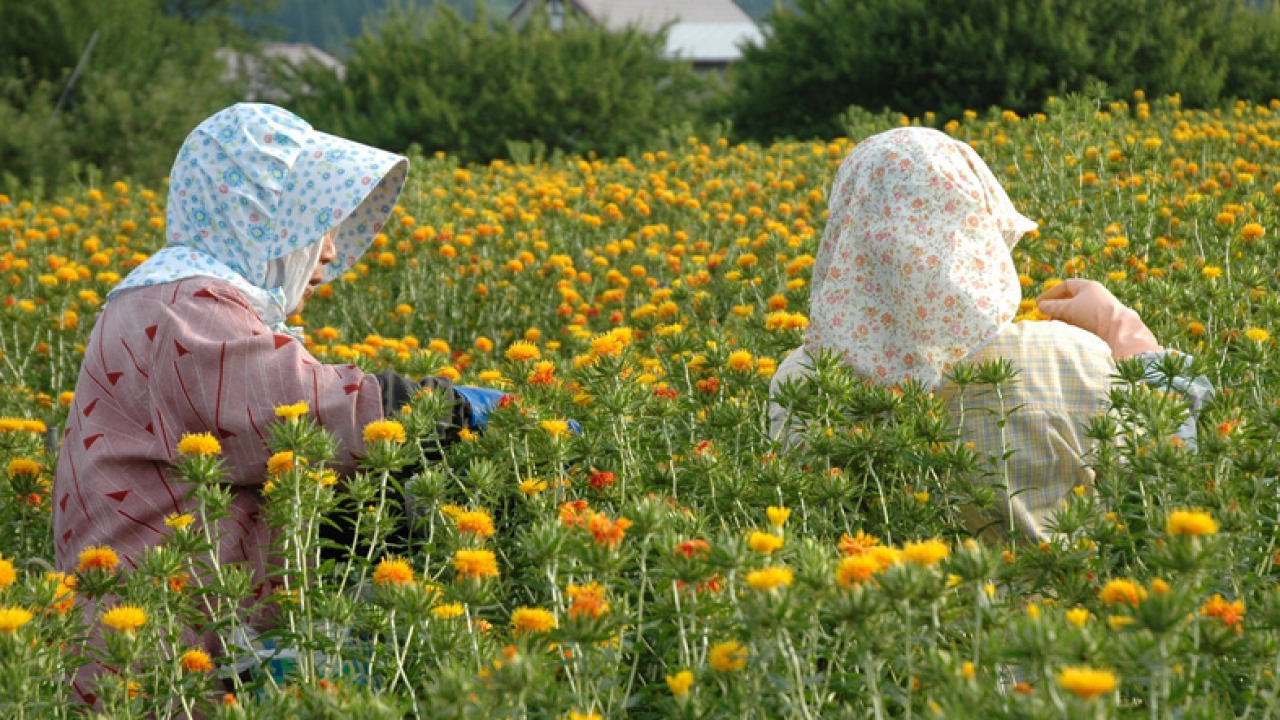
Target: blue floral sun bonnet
x: 253, y: 191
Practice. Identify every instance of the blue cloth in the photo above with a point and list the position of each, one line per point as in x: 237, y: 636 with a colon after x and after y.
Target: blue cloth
x: 1197, y: 391
x: 482, y: 400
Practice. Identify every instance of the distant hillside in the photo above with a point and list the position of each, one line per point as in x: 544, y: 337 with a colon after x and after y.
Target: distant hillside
x: 329, y: 24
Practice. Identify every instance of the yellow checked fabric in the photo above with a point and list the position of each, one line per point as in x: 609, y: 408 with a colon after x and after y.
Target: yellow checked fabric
x: 1063, y: 382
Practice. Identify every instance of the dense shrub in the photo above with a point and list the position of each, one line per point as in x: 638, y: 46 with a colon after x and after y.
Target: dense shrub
x: 149, y: 79
x: 948, y: 55
x: 471, y: 88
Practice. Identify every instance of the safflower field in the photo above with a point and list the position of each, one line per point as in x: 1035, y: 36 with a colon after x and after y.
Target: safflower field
x: 671, y: 560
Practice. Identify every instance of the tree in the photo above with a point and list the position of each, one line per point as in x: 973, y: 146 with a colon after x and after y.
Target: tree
x: 945, y: 56
x: 150, y: 78
x: 471, y: 88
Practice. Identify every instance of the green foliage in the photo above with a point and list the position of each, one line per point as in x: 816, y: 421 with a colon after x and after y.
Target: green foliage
x: 147, y: 81
x: 472, y: 88
x: 939, y: 55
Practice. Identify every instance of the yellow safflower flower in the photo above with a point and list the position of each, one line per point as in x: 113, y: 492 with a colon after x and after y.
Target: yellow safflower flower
x: 532, y: 487
x: 292, y: 412
x: 1087, y: 682
x: 384, y: 430
x: 1078, y: 616
x: 179, y: 521
x: 125, y: 618
x: 555, y: 428
x: 925, y: 553
x: 886, y: 557
x: 522, y: 351
x: 680, y: 683
x: 740, y: 361
x: 449, y: 611
x: 1190, y: 522
x: 202, y: 444
x: 764, y: 543
x: 23, y: 466
x: 778, y: 515
x: 728, y: 656
x: 770, y: 578
x: 12, y: 618
x: 527, y: 620
x: 8, y: 575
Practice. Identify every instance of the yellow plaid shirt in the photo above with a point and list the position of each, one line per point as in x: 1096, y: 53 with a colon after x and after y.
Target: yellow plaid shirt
x: 1064, y: 377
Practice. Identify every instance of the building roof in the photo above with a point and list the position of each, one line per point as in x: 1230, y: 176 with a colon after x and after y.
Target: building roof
x: 297, y: 54
x: 258, y: 75
x: 699, y: 31
x: 713, y: 43
x: 653, y: 14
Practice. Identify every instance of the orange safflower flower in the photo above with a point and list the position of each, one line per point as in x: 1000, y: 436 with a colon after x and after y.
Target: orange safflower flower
x: 474, y: 522
x: 280, y: 463
x: 859, y: 544
x: 856, y: 569
x: 1230, y: 613
x: 1122, y: 591
x: 574, y: 512
x: 607, y: 532
x: 64, y: 596
x: 196, y: 661
x: 691, y: 548
x: 393, y: 571
x: 543, y: 374
x: 98, y: 557
x: 587, y: 600
x: 477, y: 564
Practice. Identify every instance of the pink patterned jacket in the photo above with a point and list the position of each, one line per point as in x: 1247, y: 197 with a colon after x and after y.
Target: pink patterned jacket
x: 187, y: 357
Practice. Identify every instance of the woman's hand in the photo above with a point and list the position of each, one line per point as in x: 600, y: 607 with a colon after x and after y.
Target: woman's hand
x: 1090, y: 306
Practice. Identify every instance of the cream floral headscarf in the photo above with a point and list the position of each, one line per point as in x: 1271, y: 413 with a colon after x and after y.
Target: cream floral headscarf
x: 914, y: 272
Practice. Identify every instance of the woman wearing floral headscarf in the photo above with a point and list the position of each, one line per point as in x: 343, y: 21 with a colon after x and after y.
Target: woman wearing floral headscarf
x: 262, y: 209
x: 914, y: 275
